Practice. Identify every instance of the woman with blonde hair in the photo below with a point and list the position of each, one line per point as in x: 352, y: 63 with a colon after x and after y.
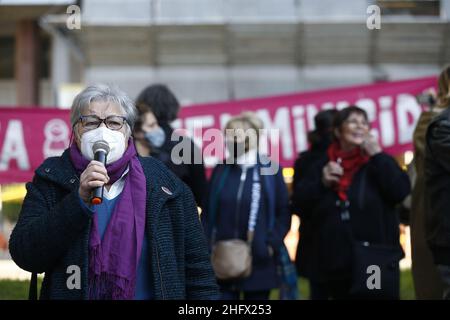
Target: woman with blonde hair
x: 246, y: 215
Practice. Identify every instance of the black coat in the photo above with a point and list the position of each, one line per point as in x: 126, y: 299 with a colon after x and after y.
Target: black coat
x: 303, y: 163
x: 53, y: 233
x: 375, y: 190
x: 192, y: 171
x: 437, y: 187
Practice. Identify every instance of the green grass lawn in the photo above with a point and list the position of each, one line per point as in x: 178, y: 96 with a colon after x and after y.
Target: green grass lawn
x: 406, y: 287
x: 15, y: 290
x: 18, y: 290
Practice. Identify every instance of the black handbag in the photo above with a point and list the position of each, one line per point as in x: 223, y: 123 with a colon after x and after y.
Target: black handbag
x: 375, y: 266
x: 375, y: 271
x: 33, y: 291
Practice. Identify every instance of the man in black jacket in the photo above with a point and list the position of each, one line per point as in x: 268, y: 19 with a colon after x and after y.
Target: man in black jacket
x: 437, y: 179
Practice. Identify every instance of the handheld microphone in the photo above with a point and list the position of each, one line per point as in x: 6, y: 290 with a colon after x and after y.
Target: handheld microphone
x: 100, y: 150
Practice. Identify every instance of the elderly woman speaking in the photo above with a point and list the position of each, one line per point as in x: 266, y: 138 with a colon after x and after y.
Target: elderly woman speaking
x: 142, y: 241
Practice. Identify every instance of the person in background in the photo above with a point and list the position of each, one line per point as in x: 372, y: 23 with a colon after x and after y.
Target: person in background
x: 157, y: 101
x: 148, y: 135
x: 427, y: 281
x: 144, y: 241
x: 348, y: 194
x: 437, y: 185
x: 319, y: 139
x: 149, y: 138
x: 241, y: 200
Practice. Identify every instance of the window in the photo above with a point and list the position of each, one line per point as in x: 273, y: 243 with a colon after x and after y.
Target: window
x: 7, y: 57
x: 7, y: 54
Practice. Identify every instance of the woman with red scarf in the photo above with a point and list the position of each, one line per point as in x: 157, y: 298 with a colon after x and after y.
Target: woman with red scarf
x: 350, y: 195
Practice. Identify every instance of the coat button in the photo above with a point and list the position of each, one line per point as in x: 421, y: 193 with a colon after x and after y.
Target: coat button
x: 47, y: 170
x: 166, y: 191
x: 72, y: 181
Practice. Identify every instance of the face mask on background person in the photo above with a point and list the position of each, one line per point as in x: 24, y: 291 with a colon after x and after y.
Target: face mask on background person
x: 115, y: 140
x: 156, y: 137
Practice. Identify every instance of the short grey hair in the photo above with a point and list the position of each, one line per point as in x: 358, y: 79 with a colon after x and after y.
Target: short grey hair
x: 103, y: 92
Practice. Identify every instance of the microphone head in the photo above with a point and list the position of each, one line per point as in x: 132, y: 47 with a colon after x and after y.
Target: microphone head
x: 100, y: 145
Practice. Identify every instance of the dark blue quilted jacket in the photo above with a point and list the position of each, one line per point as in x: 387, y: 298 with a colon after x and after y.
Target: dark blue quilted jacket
x: 52, y: 233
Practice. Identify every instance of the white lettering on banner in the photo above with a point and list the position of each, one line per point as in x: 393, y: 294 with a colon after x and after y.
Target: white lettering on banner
x: 56, y: 138
x: 281, y: 121
x: 391, y: 129
x: 371, y: 108
x: 14, y: 147
x: 311, y: 111
x: 407, y: 105
x: 341, y: 105
x: 300, y: 128
x: 386, y: 122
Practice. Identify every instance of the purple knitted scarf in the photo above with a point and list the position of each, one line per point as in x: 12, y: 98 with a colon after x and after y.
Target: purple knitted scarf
x: 113, y: 260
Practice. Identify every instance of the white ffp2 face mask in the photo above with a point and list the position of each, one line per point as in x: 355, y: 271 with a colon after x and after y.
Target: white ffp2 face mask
x: 115, y: 140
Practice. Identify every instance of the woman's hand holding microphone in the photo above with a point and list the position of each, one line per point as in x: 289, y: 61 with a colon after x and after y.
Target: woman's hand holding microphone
x: 95, y: 175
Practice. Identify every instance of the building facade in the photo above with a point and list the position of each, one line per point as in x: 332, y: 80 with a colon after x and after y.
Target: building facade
x: 215, y: 50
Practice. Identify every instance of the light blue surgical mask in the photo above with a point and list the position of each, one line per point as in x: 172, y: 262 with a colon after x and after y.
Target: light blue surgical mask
x: 156, y: 137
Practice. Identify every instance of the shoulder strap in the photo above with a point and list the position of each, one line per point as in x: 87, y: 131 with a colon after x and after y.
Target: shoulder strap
x: 256, y: 194
x: 269, y: 184
x: 32, y: 294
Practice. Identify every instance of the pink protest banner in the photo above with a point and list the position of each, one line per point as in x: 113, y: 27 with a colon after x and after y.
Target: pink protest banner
x: 29, y: 135
x: 392, y: 108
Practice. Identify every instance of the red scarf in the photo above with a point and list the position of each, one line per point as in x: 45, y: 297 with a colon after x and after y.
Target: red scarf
x: 351, y: 162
